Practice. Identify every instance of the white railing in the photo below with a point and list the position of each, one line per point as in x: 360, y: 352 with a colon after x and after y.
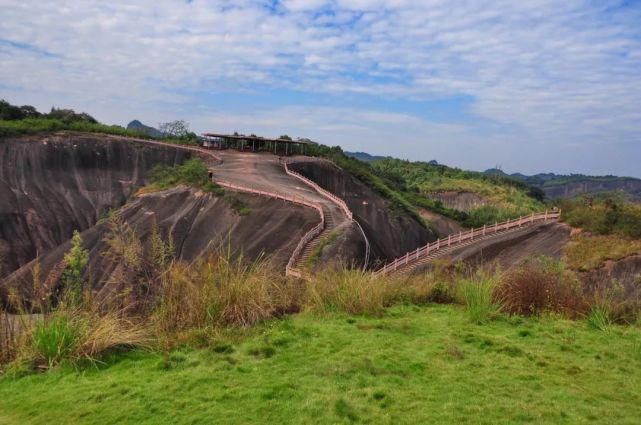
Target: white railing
x: 460, y: 238
x: 290, y: 269
x: 338, y: 201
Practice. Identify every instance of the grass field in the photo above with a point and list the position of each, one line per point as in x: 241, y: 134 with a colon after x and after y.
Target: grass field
x: 412, y: 365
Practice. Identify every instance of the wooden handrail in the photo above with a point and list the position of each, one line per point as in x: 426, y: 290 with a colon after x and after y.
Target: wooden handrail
x: 290, y: 269
x: 338, y: 201
x: 447, y: 242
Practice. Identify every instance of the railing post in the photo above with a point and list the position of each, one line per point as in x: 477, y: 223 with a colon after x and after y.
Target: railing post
x: 532, y: 219
x: 449, y: 240
x: 417, y: 250
x: 407, y: 257
x: 460, y: 233
x: 546, y: 216
x: 484, y: 230
x: 496, y: 227
x: 438, y: 243
x: 472, y: 234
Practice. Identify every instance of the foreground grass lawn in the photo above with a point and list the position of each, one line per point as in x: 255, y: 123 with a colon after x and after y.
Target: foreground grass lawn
x: 414, y: 365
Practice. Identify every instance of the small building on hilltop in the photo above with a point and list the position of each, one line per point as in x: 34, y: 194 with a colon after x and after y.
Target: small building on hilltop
x: 253, y: 143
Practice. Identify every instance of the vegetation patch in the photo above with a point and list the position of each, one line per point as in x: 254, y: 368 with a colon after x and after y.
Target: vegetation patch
x: 192, y: 172
x: 603, y: 216
x: 587, y: 251
x: 237, y: 204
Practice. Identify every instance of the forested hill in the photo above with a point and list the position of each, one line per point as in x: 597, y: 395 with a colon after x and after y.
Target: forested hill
x: 570, y: 185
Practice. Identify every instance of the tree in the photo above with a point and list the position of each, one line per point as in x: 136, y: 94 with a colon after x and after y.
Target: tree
x: 9, y: 111
x: 177, y: 128
x: 285, y: 137
x: 69, y: 115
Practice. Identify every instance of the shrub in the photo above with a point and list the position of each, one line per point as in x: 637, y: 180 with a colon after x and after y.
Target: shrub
x: 541, y: 285
x: 76, y: 261
x: 603, y: 216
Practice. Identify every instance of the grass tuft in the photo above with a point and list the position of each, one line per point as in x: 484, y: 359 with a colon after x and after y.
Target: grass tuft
x: 477, y: 293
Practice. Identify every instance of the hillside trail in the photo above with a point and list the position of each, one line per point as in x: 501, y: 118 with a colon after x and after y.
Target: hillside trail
x: 264, y: 171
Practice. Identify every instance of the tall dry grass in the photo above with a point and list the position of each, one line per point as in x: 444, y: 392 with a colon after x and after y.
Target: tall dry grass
x: 222, y: 290
x: 355, y: 291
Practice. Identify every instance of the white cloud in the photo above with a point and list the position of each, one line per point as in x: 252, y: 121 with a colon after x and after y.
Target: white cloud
x: 546, y: 77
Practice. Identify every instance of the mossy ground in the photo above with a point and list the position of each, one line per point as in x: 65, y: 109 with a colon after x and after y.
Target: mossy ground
x: 412, y: 365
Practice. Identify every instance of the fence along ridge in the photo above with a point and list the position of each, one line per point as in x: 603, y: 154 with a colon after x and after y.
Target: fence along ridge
x: 290, y: 269
x: 457, y: 239
x: 337, y: 200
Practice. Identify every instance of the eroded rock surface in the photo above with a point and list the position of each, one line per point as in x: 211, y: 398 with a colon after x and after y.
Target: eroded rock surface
x: 390, y: 230
x: 52, y: 185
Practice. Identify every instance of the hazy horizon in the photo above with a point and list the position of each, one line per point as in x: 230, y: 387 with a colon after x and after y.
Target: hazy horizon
x: 532, y: 86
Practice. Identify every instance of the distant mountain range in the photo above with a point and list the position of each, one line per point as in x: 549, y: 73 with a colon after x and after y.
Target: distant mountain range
x: 569, y: 185
x: 149, y: 131
x: 556, y: 186
x: 364, y: 156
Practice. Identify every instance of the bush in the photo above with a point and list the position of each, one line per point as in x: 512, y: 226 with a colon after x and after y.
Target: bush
x: 76, y: 261
x: 541, y: 285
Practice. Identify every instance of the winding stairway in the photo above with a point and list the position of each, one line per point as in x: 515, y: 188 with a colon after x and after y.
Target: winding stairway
x: 272, y: 177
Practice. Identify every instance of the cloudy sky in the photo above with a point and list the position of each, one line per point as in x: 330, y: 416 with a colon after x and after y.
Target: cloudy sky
x: 532, y: 85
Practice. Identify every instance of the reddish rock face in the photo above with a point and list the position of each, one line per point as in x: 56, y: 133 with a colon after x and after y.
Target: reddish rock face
x: 391, y: 232
x: 53, y: 185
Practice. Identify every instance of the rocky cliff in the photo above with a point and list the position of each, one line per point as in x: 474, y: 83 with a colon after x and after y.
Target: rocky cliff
x: 391, y: 231
x: 53, y: 185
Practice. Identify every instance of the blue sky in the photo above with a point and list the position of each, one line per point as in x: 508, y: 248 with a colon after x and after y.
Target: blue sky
x: 531, y: 85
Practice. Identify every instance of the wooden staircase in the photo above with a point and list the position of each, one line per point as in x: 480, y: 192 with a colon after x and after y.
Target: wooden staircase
x: 309, y: 248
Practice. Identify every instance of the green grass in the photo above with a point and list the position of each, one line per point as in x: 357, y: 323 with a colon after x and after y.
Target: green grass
x: 56, y: 339
x: 478, y: 294
x: 192, y: 172
x: 412, y: 365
